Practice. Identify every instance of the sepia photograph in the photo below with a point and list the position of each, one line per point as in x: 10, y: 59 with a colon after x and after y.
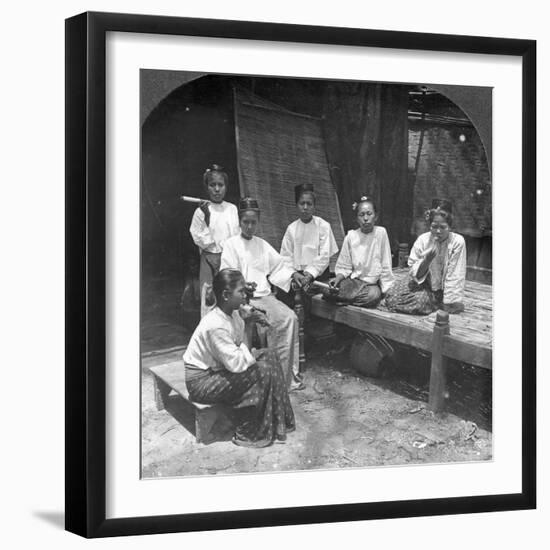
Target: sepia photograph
x: 316, y: 274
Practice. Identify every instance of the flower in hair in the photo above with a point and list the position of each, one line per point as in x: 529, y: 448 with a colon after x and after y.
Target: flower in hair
x: 354, y: 206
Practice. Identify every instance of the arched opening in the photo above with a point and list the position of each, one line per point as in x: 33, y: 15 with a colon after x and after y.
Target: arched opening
x: 404, y: 144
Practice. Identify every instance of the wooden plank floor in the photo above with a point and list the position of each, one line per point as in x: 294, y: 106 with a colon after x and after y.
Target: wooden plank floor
x: 471, y: 332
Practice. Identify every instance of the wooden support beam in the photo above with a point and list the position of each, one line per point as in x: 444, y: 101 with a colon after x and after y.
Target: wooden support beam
x: 300, y: 313
x: 162, y: 391
x: 403, y: 255
x: 439, y: 363
x: 204, y: 423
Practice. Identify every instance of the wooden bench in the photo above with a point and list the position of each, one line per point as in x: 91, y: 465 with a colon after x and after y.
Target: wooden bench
x: 171, y: 376
x: 466, y: 337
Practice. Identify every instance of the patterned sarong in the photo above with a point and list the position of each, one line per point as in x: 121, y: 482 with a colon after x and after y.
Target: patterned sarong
x: 407, y: 296
x: 259, y: 394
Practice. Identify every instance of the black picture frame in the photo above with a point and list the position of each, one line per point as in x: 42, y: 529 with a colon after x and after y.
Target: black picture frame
x: 86, y: 269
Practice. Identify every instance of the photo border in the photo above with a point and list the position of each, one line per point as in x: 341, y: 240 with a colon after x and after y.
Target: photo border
x: 85, y: 371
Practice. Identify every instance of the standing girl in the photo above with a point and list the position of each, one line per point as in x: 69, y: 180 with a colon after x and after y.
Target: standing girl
x: 213, y: 222
x: 363, y: 270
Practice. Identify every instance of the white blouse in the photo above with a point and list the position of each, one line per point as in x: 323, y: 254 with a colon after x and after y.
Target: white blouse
x: 309, y: 246
x: 224, y: 223
x: 257, y: 260
x: 217, y: 343
x: 367, y: 256
x: 448, y: 268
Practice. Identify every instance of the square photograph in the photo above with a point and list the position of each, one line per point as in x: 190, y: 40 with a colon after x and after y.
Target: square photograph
x: 316, y: 274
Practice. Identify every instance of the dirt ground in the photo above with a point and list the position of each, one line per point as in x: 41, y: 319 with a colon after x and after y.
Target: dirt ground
x: 343, y: 419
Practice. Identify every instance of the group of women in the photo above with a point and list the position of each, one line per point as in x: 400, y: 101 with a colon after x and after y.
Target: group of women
x: 241, y: 270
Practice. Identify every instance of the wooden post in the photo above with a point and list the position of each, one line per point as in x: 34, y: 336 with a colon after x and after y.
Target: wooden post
x: 403, y: 254
x: 439, y: 362
x: 162, y: 391
x: 204, y: 422
x: 299, y: 310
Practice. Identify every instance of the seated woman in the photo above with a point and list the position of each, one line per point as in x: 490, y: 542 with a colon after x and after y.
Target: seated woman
x: 363, y: 270
x: 308, y: 243
x: 257, y: 260
x: 213, y: 221
x: 220, y: 368
x: 437, y: 268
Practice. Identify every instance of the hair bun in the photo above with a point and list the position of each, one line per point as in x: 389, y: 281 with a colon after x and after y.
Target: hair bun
x: 362, y: 198
x: 215, y: 169
x: 442, y: 204
x: 248, y: 203
x: 302, y: 188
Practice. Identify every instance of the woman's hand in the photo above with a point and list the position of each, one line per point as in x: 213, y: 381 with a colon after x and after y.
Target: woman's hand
x: 206, y: 211
x: 298, y: 279
x: 258, y: 353
x: 245, y: 311
x: 309, y: 278
x: 254, y: 315
x: 334, y: 283
x: 431, y: 253
x: 260, y: 317
x: 249, y: 288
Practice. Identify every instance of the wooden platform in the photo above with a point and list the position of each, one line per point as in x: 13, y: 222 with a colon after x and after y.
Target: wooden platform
x: 470, y: 338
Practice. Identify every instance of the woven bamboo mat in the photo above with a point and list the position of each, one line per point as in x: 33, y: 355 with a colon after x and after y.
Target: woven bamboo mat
x: 453, y: 164
x: 276, y: 150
